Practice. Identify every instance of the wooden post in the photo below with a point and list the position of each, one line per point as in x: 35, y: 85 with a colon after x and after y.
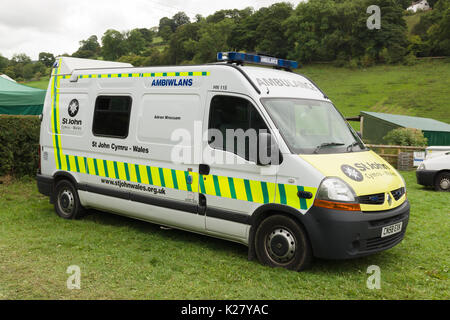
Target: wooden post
x: 361, y: 125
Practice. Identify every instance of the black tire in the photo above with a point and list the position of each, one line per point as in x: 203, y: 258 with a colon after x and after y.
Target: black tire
x: 442, y: 182
x: 282, y: 243
x: 67, y: 202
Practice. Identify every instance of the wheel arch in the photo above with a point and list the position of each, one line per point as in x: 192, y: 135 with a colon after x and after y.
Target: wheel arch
x: 437, y: 175
x: 265, y: 211
x: 62, y: 175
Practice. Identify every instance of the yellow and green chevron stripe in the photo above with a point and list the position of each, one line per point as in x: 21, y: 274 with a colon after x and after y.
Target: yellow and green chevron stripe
x: 145, y: 75
x: 226, y: 187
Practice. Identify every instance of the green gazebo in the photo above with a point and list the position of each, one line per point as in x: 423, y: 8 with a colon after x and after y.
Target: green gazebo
x: 17, y: 99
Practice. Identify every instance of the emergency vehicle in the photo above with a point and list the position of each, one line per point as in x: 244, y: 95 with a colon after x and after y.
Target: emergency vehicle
x: 132, y: 141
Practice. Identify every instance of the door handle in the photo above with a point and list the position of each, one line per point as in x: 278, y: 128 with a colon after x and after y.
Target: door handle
x: 204, y: 169
x: 201, y: 204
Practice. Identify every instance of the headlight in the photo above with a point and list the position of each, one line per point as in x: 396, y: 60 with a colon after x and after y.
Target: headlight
x: 421, y: 167
x: 335, y: 189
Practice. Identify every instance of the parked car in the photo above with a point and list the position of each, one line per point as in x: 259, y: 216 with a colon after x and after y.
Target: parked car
x: 435, y: 172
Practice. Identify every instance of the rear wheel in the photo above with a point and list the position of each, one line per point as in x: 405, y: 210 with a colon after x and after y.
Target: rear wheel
x: 67, y: 203
x: 442, y: 182
x: 281, y: 242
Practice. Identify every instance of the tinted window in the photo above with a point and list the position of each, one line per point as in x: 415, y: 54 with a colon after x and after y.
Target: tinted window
x: 112, y: 116
x: 229, y: 114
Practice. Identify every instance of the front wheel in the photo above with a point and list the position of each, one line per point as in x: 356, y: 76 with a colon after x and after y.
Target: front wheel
x: 67, y: 203
x: 281, y: 242
x: 442, y: 182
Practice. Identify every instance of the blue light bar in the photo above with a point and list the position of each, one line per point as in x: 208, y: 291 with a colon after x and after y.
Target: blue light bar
x: 256, y: 59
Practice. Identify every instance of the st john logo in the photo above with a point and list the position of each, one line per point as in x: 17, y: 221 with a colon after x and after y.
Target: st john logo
x: 74, y: 106
x: 352, y: 173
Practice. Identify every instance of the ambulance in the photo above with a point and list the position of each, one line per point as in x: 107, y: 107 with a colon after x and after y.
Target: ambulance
x: 243, y: 149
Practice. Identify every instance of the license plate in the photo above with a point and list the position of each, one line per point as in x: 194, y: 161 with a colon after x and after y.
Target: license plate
x: 390, y: 230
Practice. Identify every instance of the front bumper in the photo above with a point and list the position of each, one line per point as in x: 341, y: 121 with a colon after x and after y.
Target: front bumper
x: 343, y: 235
x: 425, y: 177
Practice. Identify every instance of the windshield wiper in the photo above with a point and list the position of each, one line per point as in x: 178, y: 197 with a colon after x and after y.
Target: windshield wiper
x: 350, y: 147
x: 328, y: 144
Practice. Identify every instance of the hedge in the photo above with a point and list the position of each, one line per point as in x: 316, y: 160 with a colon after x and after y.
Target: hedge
x: 19, y: 143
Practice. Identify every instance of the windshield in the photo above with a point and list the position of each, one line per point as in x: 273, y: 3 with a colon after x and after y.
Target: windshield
x: 310, y: 126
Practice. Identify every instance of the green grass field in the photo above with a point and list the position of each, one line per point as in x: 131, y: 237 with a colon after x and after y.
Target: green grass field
x: 122, y: 258
x: 41, y: 84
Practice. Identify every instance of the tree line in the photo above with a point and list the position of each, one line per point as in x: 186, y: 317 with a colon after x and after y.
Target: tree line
x: 318, y: 30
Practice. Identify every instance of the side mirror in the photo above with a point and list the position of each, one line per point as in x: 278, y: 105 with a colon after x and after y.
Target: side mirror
x: 268, y: 152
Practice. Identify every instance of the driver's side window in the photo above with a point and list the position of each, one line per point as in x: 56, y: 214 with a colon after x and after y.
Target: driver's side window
x: 234, y: 125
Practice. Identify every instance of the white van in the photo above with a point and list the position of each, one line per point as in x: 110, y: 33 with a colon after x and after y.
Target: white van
x: 435, y: 172
x: 176, y: 146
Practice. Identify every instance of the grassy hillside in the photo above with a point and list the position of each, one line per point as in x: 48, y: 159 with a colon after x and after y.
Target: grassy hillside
x: 420, y: 90
x: 41, y: 84
x: 412, y: 20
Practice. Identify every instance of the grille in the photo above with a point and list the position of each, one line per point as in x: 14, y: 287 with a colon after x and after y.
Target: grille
x: 372, y: 199
x: 388, y: 221
x: 379, y: 243
x: 397, y: 194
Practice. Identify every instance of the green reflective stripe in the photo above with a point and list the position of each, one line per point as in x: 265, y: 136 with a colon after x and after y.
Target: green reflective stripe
x: 217, y: 186
x: 68, y: 162
x: 174, y: 179
x: 282, y: 194
x: 138, y: 174
x: 149, y: 173
x: 186, y: 175
x: 86, y: 165
x: 127, y: 171
x: 105, y: 165
x: 77, y: 164
x: 116, y: 170
x: 55, y: 122
x: 202, y: 185
x: 265, y: 192
x: 232, y: 189
x: 161, y: 177
x: 303, y: 204
x: 248, y: 190
x: 96, y: 167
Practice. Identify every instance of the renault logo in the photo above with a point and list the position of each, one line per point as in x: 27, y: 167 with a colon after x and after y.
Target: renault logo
x: 389, y: 199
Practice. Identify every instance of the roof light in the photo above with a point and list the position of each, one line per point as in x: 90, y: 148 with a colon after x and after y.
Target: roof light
x: 239, y: 57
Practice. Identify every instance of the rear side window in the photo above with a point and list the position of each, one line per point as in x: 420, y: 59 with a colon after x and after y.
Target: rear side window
x: 112, y: 116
